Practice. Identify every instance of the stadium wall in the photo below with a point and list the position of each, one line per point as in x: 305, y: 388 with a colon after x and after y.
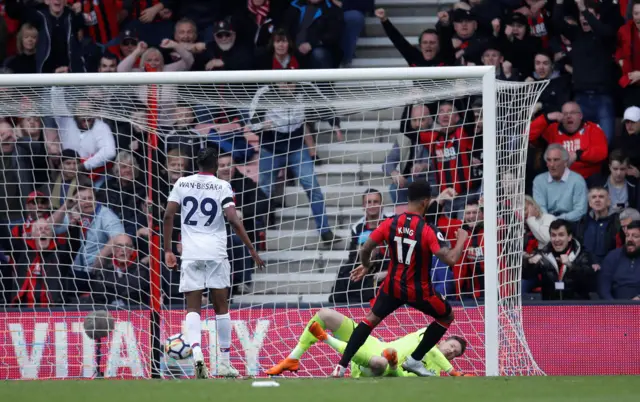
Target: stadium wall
x: 564, y: 340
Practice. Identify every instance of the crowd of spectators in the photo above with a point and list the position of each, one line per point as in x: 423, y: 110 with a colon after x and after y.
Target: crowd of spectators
x: 583, y: 145
x: 74, y: 193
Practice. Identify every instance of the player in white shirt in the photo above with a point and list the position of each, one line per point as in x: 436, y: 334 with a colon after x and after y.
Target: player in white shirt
x: 205, y: 265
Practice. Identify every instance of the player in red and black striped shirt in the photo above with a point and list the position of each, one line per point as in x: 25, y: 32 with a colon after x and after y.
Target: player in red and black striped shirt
x: 412, y: 242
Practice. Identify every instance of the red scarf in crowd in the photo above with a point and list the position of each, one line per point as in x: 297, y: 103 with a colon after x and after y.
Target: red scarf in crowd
x: 35, y: 273
x: 122, y: 266
x: 291, y: 65
x: 260, y: 12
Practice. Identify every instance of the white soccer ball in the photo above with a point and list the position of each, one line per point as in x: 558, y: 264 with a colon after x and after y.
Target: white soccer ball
x: 177, y: 347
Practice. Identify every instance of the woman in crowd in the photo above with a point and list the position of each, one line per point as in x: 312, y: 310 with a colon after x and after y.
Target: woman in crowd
x: 25, y: 61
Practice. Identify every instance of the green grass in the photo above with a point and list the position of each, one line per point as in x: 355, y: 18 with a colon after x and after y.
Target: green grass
x: 525, y: 389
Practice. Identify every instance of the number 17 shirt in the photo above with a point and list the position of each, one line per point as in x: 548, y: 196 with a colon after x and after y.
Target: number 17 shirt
x: 202, y: 198
x: 412, y: 243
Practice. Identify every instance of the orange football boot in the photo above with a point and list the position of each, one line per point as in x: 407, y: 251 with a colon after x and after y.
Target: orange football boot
x: 285, y: 365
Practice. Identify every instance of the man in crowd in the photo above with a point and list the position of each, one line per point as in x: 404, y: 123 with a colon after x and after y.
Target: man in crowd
x: 316, y: 28
x: 592, y: 44
x: 492, y: 56
x: 108, y: 63
x: 408, y: 159
x: 122, y: 281
x: 37, y: 206
x: 560, y: 192
x: 99, y: 227
x: 623, y: 190
x: 469, y: 272
x: 253, y: 207
x: 451, y: 148
x: 519, y: 46
x: 224, y: 52
x: 203, y: 12
x: 128, y: 43
x: 620, y: 278
x: 429, y: 52
x: 186, y: 33
x: 13, y: 186
x: 629, y: 140
x: 565, y: 269
x: 585, y: 141
x: 627, y: 216
x: 558, y: 91
x: 468, y: 44
x: 598, y: 229
x: 81, y: 131
x: 282, y: 132
x: 41, y: 268
x: 344, y: 289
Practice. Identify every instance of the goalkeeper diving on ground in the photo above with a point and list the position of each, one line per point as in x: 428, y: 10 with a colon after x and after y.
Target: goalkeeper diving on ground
x: 375, y: 358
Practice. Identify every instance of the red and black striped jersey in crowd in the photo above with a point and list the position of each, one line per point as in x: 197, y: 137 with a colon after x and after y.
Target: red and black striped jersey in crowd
x: 452, y: 153
x: 101, y: 19
x: 538, y: 27
x: 12, y: 30
x: 468, y: 273
x: 411, y: 244
x: 138, y: 6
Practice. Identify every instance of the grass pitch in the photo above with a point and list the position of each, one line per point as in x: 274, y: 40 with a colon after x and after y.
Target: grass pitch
x: 522, y: 389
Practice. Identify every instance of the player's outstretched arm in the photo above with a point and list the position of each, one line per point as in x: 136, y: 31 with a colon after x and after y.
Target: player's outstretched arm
x: 365, y: 258
x: 167, y: 225
x: 238, y: 227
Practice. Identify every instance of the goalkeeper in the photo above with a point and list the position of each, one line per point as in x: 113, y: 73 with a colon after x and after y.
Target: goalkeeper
x: 375, y: 358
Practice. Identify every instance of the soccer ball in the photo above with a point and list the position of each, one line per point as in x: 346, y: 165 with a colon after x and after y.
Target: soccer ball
x: 177, y: 347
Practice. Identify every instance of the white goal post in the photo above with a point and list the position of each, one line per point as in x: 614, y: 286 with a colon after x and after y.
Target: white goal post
x: 506, y: 111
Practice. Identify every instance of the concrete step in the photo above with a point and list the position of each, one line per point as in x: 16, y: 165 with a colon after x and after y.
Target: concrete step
x: 333, y: 179
x: 411, y: 25
x: 342, y: 196
x: 413, y: 7
x: 305, y: 266
x: 308, y: 239
x: 359, y: 136
x: 378, y: 47
x: 370, y: 176
x: 354, y: 153
x: 293, y: 283
x: 298, y: 218
x: 379, y: 62
x: 316, y: 261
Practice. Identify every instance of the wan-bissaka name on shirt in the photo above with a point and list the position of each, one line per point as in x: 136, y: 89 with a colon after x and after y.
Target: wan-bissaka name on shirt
x: 201, y: 186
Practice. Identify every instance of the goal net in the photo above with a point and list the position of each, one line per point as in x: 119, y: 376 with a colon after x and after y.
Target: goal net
x: 316, y: 161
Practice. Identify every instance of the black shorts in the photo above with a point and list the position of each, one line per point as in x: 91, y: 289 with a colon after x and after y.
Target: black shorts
x: 435, y: 306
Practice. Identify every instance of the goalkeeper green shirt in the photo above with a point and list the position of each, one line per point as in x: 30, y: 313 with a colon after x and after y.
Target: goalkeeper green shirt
x: 434, y: 360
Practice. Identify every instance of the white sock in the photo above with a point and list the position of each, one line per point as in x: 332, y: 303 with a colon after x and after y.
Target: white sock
x: 194, y: 331
x: 336, y: 344
x: 223, y: 329
x: 297, y: 352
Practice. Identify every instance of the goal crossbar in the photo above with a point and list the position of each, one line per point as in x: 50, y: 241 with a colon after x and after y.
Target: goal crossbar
x: 238, y: 77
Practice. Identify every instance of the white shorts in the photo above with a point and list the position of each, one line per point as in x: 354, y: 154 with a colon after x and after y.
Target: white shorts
x: 199, y: 275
